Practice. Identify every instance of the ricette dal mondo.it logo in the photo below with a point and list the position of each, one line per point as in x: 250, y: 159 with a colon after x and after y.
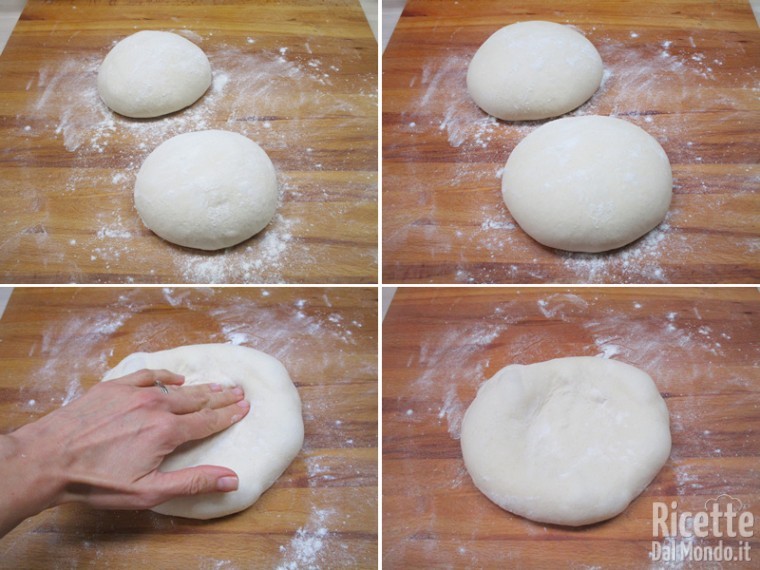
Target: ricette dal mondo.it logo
x: 724, y: 518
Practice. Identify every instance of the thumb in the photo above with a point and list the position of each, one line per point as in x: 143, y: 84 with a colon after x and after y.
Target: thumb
x: 197, y: 480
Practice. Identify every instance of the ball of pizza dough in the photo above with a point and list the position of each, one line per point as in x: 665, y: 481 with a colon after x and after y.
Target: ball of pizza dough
x: 587, y: 183
x: 258, y: 448
x: 207, y: 189
x: 150, y: 73
x: 534, y: 70
x: 570, y: 441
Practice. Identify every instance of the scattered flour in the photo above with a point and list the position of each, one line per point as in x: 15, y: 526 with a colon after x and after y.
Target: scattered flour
x: 456, y: 361
x: 273, y: 97
x: 70, y: 350
x: 276, y: 331
x: 453, y: 410
x: 216, y: 564
x: 608, y: 349
x: 78, y: 348
x: 562, y: 304
x: 641, y: 79
x: 319, y: 471
x: 305, y: 550
x: 637, y: 340
x: 462, y: 347
x: 73, y: 391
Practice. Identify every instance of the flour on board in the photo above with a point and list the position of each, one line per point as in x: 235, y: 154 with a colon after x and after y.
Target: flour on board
x: 246, y: 96
x: 78, y: 349
x: 305, y: 549
x: 640, y: 79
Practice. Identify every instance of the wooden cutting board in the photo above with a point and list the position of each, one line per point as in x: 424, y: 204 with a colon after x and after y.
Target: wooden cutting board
x: 297, y: 77
x: 684, y: 71
x: 700, y: 346
x: 322, y: 512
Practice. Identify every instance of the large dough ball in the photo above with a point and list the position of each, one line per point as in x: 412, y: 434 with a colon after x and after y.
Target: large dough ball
x: 570, y: 441
x: 207, y: 189
x: 150, y: 74
x: 587, y: 183
x: 533, y: 70
x: 258, y: 448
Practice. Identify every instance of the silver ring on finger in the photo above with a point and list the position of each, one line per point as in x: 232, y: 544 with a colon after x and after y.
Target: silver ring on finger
x: 161, y: 385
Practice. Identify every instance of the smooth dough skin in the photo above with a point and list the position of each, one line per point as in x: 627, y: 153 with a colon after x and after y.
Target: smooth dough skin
x: 207, y: 189
x: 534, y: 70
x: 258, y: 448
x: 587, y: 183
x: 149, y: 74
x: 570, y: 441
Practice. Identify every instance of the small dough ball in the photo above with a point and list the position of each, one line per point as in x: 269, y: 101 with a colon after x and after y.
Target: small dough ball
x: 207, y: 189
x: 534, y: 70
x: 149, y: 74
x: 587, y: 183
x: 258, y: 448
x: 569, y: 441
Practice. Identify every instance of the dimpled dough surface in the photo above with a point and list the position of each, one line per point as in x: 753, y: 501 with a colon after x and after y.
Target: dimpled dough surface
x: 258, y: 448
x: 207, y: 189
x: 587, y: 183
x: 151, y: 73
x: 533, y: 70
x: 570, y: 441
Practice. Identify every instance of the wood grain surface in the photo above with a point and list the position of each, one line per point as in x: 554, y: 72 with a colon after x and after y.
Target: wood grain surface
x: 322, y: 512
x: 297, y: 77
x: 700, y: 346
x: 685, y: 71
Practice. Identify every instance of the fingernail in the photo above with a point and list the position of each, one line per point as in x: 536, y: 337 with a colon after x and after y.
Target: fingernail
x: 227, y: 484
x: 215, y: 387
x: 237, y: 390
x: 244, y: 404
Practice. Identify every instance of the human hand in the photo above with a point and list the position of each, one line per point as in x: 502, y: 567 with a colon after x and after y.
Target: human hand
x: 104, y: 448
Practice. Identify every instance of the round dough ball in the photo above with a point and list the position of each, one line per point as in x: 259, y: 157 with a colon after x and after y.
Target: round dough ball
x: 587, y: 183
x: 207, y: 189
x: 258, y: 448
x: 534, y: 70
x: 149, y: 74
x: 569, y: 441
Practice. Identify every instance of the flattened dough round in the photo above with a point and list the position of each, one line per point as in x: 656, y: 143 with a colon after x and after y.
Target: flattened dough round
x: 149, y: 74
x: 534, y: 70
x: 587, y: 183
x: 207, y: 189
x: 569, y: 441
x: 258, y: 448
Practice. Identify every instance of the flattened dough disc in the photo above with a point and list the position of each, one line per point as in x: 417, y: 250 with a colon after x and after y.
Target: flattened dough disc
x: 569, y: 441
